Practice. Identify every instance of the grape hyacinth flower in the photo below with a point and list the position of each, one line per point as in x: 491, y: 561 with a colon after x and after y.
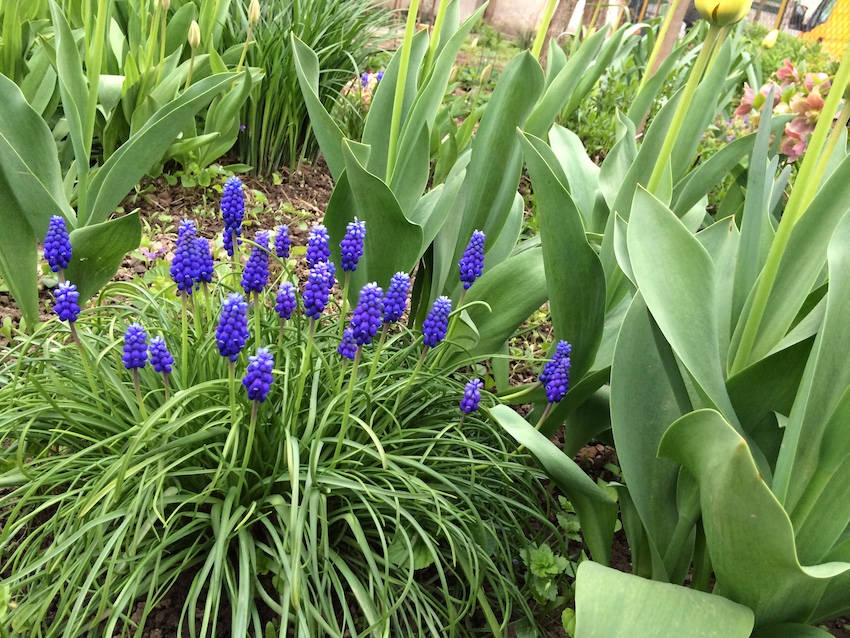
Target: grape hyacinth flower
x: 57, y: 244
x: 186, y: 265
x: 471, y: 396
x: 232, y: 330
x: 135, y: 347
x: 436, y: 324
x: 556, y: 373
x: 318, y: 289
x: 67, y: 298
x: 258, y: 378
x: 285, y: 303
x: 207, y: 265
x: 233, y: 211
x: 352, y: 244
x: 348, y: 348
x: 395, y: 301
x: 256, y: 273
x: 160, y: 357
x: 367, y: 318
x: 318, y: 250
x: 471, y: 263
x: 282, y: 243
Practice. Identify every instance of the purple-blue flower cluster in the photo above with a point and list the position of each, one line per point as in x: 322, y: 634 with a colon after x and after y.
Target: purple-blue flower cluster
x: 67, y: 298
x: 436, y: 324
x: 207, y: 265
x: 258, y: 378
x: 367, y: 318
x: 57, y: 244
x: 161, y: 358
x: 285, y: 302
x: 395, y: 301
x: 471, y: 263
x: 282, y: 242
x: 471, y: 396
x: 347, y: 348
x: 318, y: 289
x: 188, y: 260
x: 318, y: 248
x: 232, y: 330
x: 351, y: 246
x: 233, y: 211
x: 256, y: 273
x: 135, y: 353
x: 556, y: 373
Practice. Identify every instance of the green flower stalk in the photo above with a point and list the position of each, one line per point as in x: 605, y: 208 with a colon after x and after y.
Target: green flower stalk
x: 537, y: 49
x: 194, y: 39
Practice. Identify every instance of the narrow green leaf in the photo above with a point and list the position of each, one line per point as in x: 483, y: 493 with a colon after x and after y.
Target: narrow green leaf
x: 596, y: 510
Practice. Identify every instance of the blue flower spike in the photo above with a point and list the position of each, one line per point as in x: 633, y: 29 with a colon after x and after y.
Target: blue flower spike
x: 395, y: 301
x: 188, y: 260
x: 318, y: 249
x: 161, y: 360
x: 556, y: 373
x: 351, y: 246
x: 67, y: 302
x: 258, y: 379
x: 285, y: 302
x: 282, y: 242
x: 471, y: 396
x: 256, y: 273
x: 368, y: 315
x: 135, y: 353
x: 232, y: 330
x: 233, y: 212
x: 348, y: 348
x: 471, y: 263
x: 436, y: 324
x: 57, y: 245
x: 318, y: 289
x: 207, y: 265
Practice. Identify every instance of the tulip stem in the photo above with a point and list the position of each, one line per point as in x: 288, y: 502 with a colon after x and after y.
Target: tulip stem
x: 544, y: 28
x: 682, y: 109
x: 401, y: 79
x: 659, y: 42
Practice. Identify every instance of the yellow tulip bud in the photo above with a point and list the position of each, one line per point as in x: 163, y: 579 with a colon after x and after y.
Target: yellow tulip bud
x: 770, y: 39
x: 194, y: 35
x: 254, y: 12
x: 485, y: 75
x: 165, y: 4
x: 723, y: 12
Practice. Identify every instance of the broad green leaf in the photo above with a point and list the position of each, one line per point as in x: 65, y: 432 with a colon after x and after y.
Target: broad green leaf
x: 223, y: 118
x: 433, y: 208
x: 615, y: 167
x: 790, y: 630
x: 324, y: 126
x: 647, y: 395
x: 386, y: 225
x: 28, y: 152
x: 596, y: 510
x: 512, y: 290
x: 410, y: 176
x: 803, y: 259
x: 677, y: 279
x: 376, y: 131
x: 130, y: 162
x: 817, y: 442
x: 99, y: 250
x: 749, y: 535
x: 721, y: 241
x: 18, y: 254
x: 574, y: 275
x: 610, y: 603
x: 72, y: 84
x: 582, y: 175
x: 646, y: 96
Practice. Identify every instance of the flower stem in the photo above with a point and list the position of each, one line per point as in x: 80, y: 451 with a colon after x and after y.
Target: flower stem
x: 659, y: 42
x: 523, y: 392
x: 544, y: 27
x: 231, y: 380
x: 377, y: 354
x: 410, y: 379
x: 305, y: 365
x: 398, y: 103
x: 543, y: 416
x: 435, y: 37
x: 666, y: 152
x: 451, y: 329
x: 138, y: 387
x: 258, y: 315
x: 345, y: 416
x: 344, y: 308
x: 249, y: 444
x: 83, y: 359
x: 184, y: 363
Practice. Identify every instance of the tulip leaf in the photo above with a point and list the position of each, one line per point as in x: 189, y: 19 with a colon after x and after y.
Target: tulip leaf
x: 647, y: 395
x: 596, y: 510
x: 581, y: 174
x: 99, y: 250
x: 790, y: 630
x: 576, y: 285
x: 129, y: 163
x: 749, y: 535
x: 611, y: 603
x: 18, y: 254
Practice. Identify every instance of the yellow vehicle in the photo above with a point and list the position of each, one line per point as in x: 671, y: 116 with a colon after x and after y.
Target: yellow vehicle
x: 829, y: 24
